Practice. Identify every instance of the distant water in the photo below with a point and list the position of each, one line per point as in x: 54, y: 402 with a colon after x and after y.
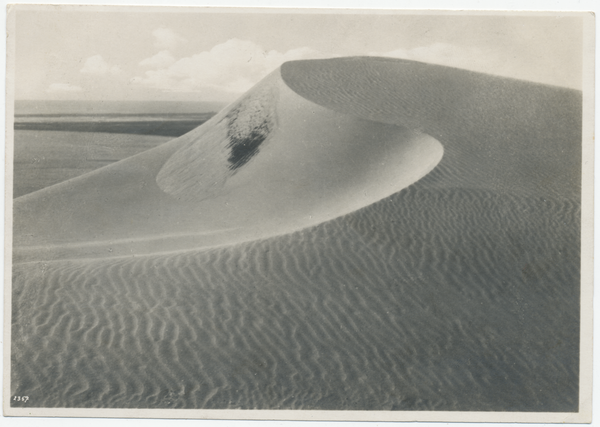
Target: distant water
x: 138, y: 118
x: 44, y: 107
x: 431, y: 299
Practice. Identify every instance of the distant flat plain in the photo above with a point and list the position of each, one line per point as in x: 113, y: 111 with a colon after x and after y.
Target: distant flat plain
x: 56, y: 141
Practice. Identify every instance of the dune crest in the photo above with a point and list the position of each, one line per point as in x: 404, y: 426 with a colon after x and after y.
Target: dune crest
x: 481, y: 120
x: 269, y: 164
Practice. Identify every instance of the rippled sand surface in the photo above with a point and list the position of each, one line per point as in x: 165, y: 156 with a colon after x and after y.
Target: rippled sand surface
x: 451, y: 294
x: 453, y: 300
x: 499, y: 134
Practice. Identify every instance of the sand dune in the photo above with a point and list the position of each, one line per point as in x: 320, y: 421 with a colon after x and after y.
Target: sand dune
x: 458, y: 292
x: 271, y: 163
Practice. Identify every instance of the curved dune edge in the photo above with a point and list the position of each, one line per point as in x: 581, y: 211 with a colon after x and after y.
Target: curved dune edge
x: 311, y: 164
x: 499, y: 134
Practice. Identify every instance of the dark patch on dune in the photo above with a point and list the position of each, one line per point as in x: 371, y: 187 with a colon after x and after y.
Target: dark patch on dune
x: 249, y: 125
x: 245, y: 146
x: 213, y: 153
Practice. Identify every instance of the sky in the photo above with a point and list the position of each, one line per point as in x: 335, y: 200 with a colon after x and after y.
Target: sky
x: 89, y: 53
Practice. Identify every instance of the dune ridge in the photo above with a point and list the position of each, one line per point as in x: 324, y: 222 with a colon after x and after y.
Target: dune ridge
x: 481, y: 120
x: 270, y: 164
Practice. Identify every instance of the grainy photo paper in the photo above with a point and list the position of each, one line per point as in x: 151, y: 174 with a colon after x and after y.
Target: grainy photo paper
x: 299, y: 214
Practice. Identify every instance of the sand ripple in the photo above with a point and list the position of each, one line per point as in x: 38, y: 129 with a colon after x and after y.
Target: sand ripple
x: 429, y: 299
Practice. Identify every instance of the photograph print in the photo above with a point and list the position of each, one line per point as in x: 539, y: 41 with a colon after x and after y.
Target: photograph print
x: 298, y: 214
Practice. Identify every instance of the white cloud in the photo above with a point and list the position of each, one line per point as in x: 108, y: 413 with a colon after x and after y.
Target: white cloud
x: 161, y: 60
x: 233, y: 67
x: 165, y: 38
x: 97, y: 65
x: 63, y: 87
x: 449, y: 55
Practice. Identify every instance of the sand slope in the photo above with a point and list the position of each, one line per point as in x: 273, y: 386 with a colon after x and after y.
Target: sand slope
x: 269, y: 164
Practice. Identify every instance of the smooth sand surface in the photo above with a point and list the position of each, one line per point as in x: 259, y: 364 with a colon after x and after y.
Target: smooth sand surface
x: 312, y: 164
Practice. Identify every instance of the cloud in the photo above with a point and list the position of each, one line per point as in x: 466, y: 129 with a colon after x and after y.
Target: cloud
x: 63, y: 87
x: 165, y: 38
x: 232, y: 67
x: 161, y: 60
x: 97, y: 65
x: 450, y: 55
